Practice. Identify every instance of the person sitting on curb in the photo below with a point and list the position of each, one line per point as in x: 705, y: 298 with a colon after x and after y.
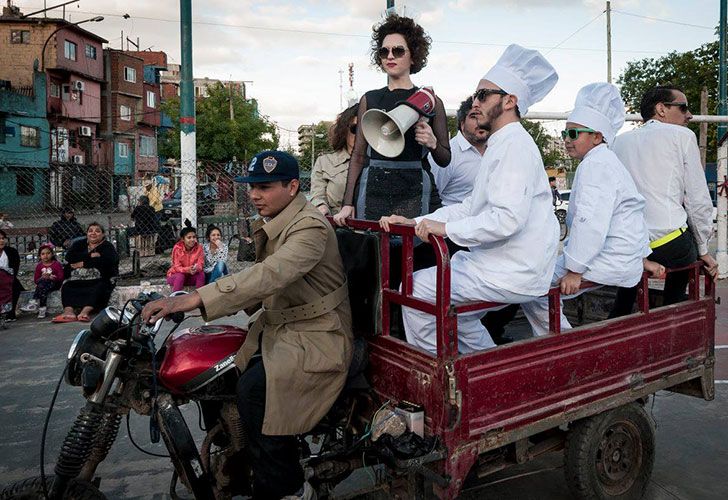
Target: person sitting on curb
x: 188, y: 261
x: 216, y: 254
x: 48, y: 278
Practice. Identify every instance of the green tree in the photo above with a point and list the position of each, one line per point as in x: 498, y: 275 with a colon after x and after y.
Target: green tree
x: 321, y: 145
x: 541, y: 137
x: 219, y: 138
x: 691, y: 71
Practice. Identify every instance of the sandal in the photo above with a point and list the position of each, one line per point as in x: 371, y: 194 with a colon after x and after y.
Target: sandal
x: 84, y: 318
x: 64, y: 319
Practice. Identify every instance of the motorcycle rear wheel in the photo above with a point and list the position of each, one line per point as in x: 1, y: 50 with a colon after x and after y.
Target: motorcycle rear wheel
x: 31, y: 489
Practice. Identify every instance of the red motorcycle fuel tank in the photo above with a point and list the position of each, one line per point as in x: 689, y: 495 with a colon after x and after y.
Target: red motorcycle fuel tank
x: 196, y: 356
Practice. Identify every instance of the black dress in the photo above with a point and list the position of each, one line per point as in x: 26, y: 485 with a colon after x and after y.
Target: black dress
x: 90, y: 292
x: 378, y: 186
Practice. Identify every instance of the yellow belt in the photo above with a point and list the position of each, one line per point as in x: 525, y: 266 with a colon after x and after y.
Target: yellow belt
x: 667, y: 238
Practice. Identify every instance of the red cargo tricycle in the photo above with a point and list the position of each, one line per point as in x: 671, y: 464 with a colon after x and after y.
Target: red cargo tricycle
x: 408, y: 424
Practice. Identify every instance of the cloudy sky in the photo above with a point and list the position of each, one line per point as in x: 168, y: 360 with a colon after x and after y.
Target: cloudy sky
x: 292, y: 51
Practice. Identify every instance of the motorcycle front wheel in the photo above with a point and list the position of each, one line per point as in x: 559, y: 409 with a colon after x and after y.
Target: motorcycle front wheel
x: 31, y: 489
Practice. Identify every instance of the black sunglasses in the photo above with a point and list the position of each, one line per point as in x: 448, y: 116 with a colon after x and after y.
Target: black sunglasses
x: 352, y: 128
x: 481, y: 94
x: 682, y: 105
x: 397, y: 51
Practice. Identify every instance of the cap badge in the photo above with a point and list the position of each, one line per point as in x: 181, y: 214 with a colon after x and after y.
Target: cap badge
x: 269, y: 164
x: 252, y: 164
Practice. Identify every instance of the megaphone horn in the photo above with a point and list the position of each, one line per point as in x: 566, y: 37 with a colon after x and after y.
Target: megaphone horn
x: 384, y: 131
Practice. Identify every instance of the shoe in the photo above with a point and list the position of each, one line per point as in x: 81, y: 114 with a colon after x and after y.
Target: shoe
x: 30, y: 307
x: 42, y: 312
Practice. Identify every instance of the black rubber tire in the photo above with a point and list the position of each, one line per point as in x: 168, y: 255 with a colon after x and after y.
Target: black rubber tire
x: 32, y: 489
x: 611, y: 455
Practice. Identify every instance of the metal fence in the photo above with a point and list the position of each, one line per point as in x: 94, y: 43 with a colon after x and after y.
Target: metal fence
x: 141, y: 214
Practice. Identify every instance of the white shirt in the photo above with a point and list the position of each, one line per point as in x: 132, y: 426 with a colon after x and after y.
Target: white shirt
x: 456, y: 181
x: 664, y: 162
x: 607, y: 231
x: 508, y: 221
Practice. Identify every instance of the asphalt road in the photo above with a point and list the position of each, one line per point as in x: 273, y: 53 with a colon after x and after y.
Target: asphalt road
x: 692, y: 434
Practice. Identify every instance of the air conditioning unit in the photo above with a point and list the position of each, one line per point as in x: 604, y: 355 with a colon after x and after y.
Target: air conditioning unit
x: 78, y: 159
x: 78, y: 85
x: 84, y: 131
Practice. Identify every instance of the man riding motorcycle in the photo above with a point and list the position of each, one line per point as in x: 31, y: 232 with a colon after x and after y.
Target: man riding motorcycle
x: 295, y: 358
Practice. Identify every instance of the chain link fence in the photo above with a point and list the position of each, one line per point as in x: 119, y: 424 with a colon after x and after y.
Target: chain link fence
x: 141, y: 214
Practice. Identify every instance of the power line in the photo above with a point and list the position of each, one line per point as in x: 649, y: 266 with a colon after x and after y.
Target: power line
x: 574, y: 33
x: 355, y: 35
x: 680, y: 23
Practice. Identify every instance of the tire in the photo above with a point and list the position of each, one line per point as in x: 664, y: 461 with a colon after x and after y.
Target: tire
x: 32, y: 489
x: 611, y: 455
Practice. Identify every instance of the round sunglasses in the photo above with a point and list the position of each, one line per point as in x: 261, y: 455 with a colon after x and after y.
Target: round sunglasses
x: 397, y: 51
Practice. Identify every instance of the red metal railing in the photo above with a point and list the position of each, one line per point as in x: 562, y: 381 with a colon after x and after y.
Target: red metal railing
x: 446, y: 314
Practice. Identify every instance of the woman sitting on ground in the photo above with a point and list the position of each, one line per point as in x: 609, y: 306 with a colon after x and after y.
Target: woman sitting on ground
x: 216, y: 254
x: 92, y: 262
x: 188, y: 261
x: 10, y: 287
x: 48, y: 278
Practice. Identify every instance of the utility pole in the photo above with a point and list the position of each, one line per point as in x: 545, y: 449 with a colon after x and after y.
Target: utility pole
x: 188, y: 132
x: 230, y: 100
x: 722, y: 174
x: 703, y: 128
x: 609, y: 41
x: 341, y: 88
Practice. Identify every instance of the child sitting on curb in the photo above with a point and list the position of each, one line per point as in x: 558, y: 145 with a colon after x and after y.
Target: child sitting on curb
x: 48, y: 278
x: 188, y: 261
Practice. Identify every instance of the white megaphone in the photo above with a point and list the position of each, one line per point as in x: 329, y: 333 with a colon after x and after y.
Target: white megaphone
x: 384, y: 130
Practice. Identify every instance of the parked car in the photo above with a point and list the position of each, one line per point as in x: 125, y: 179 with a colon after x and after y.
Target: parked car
x: 207, y: 196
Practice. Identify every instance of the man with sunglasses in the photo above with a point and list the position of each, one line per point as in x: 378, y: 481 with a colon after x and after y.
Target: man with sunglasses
x: 663, y: 158
x: 607, y: 233
x: 507, y: 222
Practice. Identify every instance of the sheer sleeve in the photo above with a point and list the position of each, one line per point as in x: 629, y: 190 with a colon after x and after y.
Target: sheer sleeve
x: 358, y: 156
x: 441, y: 153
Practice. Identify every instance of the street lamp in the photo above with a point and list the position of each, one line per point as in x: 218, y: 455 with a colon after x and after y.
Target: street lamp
x: 96, y: 19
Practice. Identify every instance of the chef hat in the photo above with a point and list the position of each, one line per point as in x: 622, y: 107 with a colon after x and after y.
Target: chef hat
x: 600, y: 107
x: 524, y: 73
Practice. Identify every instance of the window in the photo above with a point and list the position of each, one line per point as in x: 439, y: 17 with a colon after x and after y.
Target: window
x: 29, y: 137
x: 20, y: 36
x: 24, y: 184
x: 66, y: 92
x: 147, y: 146
x: 151, y: 99
x: 123, y: 150
x: 69, y: 50
x: 129, y: 74
x: 90, y: 52
x: 125, y: 113
x: 55, y: 90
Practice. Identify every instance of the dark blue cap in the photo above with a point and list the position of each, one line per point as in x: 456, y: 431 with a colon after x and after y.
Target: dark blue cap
x: 270, y: 166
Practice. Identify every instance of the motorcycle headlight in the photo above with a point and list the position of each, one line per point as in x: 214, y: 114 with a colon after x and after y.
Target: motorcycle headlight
x: 106, y: 322
x: 85, y: 342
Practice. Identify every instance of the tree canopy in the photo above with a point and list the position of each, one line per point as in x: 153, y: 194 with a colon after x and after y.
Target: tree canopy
x: 219, y: 138
x: 321, y: 145
x: 690, y: 71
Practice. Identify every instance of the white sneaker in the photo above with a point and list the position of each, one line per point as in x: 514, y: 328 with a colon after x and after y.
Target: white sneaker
x: 31, y: 306
x: 42, y: 312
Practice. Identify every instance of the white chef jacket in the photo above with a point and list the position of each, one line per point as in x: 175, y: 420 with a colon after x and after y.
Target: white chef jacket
x: 607, y: 232
x: 508, y: 221
x: 664, y: 162
x: 456, y: 181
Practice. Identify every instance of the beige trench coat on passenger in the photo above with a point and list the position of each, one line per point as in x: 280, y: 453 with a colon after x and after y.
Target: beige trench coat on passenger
x: 328, y: 180
x: 306, y: 360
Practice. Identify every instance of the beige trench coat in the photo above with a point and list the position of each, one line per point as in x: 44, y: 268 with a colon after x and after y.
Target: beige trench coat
x: 306, y: 360
x: 328, y: 180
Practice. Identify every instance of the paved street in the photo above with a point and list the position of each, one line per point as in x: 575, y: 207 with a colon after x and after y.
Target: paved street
x: 691, y: 434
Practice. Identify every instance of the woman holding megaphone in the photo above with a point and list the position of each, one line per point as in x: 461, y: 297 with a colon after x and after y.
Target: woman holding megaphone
x: 389, y: 161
